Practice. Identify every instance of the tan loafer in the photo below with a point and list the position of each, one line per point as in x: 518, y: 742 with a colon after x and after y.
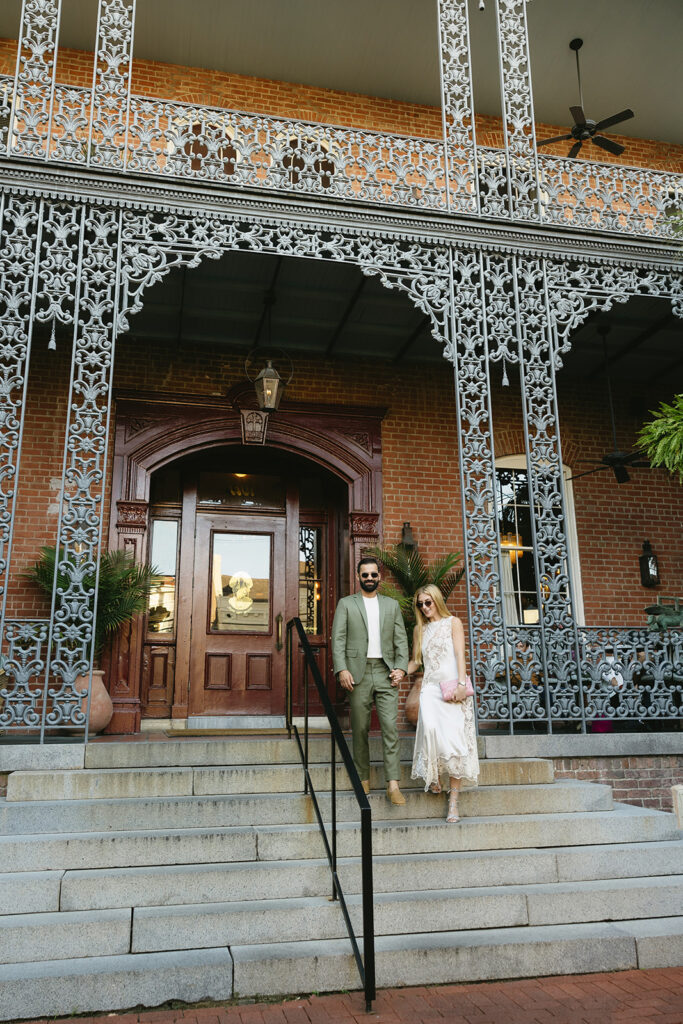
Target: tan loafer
x: 396, y: 797
x: 366, y: 786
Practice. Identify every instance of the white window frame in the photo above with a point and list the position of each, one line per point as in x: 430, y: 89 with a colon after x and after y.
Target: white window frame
x: 519, y: 462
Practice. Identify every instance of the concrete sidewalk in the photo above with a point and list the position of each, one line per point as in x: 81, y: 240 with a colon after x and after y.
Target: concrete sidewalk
x: 624, y: 997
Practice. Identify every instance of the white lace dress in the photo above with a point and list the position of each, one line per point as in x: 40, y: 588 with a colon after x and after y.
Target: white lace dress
x: 446, y: 740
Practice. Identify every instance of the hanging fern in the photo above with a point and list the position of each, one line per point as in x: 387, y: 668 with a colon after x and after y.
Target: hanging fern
x: 662, y: 437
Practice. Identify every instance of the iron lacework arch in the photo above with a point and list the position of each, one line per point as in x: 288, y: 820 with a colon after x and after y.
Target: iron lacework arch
x: 87, y: 266
x: 521, y: 309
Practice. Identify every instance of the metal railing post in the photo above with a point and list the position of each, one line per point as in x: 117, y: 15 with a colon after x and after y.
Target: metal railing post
x: 366, y: 962
x: 333, y: 795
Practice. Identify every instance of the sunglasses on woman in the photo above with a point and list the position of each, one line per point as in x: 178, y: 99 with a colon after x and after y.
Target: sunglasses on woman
x: 427, y: 603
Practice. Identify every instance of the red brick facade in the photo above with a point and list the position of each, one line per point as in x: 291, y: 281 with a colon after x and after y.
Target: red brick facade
x: 643, y: 781
x: 420, y: 464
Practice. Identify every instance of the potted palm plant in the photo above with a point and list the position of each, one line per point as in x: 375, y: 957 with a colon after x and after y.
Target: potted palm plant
x: 123, y: 589
x: 410, y: 572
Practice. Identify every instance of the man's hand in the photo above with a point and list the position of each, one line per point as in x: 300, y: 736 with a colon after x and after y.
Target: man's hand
x: 396, y: 675
x: 346, y: 680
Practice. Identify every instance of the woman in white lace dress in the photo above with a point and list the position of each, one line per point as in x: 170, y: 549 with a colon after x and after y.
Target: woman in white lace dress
x: 446, y: 741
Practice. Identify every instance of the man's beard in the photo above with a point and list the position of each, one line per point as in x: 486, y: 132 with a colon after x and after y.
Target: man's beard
x: 369, y: 585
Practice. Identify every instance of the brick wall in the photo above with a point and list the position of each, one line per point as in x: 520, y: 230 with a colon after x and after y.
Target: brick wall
x: 420, y: 467
x: 643, y: 781
x: 292, y: 100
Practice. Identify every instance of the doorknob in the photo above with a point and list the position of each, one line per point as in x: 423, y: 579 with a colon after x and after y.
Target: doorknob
x: 278, y: 623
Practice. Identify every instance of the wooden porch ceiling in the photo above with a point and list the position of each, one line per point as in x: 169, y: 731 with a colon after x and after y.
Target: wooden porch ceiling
x: 330, y: 311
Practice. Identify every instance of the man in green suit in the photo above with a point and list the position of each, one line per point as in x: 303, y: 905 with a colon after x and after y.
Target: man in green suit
x: 370, y: 657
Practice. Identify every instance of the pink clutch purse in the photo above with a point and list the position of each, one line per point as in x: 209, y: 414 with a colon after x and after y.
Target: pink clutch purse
x: 449, y: 687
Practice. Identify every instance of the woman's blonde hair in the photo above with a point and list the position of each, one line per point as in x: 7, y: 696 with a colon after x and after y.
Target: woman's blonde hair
x: 437, y: 597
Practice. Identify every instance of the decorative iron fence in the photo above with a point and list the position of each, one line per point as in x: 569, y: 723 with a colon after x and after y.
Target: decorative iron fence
x: 210, y: 144
x: 31, y: 702
x: 609, y: 675
x: 632, y: 676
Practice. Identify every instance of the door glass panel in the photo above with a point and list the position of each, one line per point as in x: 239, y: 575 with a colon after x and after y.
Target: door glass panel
x: 310, y: 605
x: 161, y: 607
x: 240, y: 583
x: 240, y: 490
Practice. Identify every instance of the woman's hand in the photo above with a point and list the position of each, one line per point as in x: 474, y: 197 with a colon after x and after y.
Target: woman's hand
x: 460, y: 694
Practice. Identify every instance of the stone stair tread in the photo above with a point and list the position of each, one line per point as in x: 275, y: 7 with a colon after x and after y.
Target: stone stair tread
x: 64, y: 935
x: 66, y: 987
x: 112, y: 814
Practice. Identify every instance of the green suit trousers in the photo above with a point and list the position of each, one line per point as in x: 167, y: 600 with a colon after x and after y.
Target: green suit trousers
x: 375, y: 685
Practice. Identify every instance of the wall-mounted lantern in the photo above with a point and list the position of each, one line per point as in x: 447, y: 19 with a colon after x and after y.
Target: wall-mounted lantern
x: 407, y: 538
x: 649, y: 566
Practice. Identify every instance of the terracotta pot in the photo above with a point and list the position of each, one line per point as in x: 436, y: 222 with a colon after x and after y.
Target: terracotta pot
x: 101, y: 707
x: 412, y: 706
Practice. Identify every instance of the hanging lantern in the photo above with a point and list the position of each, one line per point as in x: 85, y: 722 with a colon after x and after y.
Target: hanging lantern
x: 268, y: 384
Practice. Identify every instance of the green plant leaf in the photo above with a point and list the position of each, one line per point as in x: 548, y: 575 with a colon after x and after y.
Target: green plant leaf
x: 123, y: 586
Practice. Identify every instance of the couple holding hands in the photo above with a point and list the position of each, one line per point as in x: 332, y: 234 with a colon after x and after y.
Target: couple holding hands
x: 370, y: 657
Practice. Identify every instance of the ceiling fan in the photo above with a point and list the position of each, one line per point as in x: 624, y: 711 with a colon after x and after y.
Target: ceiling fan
x: 616, y: 460
x: 585, y: 130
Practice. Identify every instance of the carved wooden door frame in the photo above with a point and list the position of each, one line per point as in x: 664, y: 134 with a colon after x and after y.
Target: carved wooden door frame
x: 155, y: 430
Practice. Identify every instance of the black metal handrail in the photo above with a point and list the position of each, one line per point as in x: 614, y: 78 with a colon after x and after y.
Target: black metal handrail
x: 365, y: 963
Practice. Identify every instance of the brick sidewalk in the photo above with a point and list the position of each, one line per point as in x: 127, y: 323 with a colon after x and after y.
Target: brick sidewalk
x: 624, y: 997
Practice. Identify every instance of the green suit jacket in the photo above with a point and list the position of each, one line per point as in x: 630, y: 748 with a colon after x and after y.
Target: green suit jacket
x: 350, y: 635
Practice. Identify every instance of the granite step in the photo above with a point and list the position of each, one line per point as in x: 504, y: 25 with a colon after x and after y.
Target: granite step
x: 237, y: 750
x: 645, y: 838
x: 229, y: 882
x: 99, y: 983
x: 459, y: 956
x: 408, y: 912
x: 287, y: 808
x: 107, y: 932
x: 122, y: 783
x: 93, y: 984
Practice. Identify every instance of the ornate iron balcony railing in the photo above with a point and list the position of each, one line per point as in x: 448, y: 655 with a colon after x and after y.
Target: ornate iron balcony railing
x: 210, y: 144
x: 631, y: 675
x: 613, y: 674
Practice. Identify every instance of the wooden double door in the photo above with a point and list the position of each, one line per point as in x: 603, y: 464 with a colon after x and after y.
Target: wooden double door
x: 241, y: 553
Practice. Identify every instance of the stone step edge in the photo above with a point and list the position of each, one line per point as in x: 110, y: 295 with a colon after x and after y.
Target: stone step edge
x: 345, y: 796
x: 342, y: 863
x: 47, y: 922
x: 188, y: 777
x: 618, y: 811
x: 339, y: 947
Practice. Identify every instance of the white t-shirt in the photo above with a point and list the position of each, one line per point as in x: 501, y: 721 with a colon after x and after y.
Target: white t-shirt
x: 372, y: 612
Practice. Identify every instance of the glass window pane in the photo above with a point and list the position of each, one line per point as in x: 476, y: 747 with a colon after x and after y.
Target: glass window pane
x: 241, y: 490
x: 310, y: 603
x: 161, y: 607
x: 240, y: 583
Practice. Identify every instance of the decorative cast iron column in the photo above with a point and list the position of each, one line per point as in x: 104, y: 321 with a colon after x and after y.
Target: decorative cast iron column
x: 111, y: 87
x: 518, y: 110
x: 457, y: 107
